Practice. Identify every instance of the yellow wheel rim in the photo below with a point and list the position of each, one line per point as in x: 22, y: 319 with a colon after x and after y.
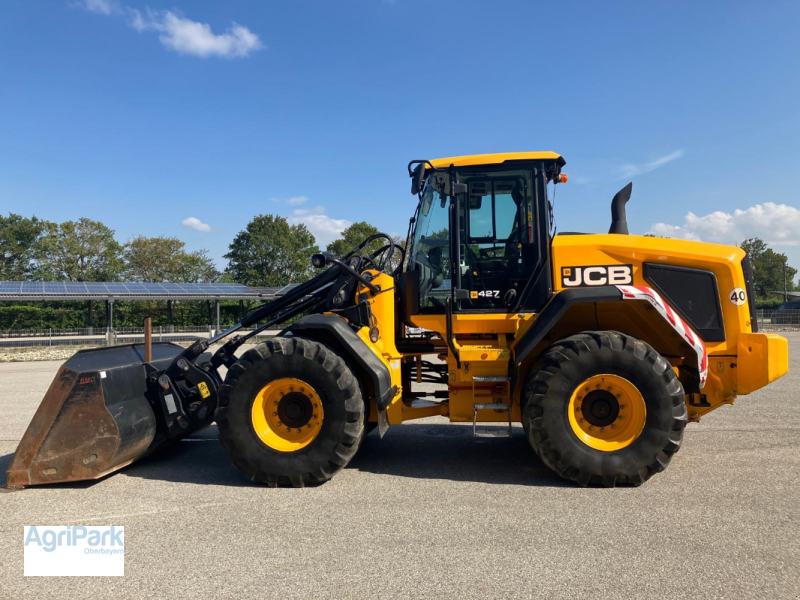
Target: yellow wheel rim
x: 607, y: 412
x: 287, y: 414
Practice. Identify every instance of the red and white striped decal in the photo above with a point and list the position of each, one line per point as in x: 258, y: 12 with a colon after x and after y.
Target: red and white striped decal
x: 640, y: 292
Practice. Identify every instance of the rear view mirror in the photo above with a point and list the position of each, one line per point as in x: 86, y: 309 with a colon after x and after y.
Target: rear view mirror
x: 426, y: 204
x: 475, y: 202
x: 417, y: 178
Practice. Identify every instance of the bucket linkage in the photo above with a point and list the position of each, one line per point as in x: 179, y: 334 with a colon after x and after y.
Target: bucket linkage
x: 108, y: 407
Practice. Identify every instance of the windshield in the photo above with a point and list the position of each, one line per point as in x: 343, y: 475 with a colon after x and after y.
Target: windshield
x: 430, y: 250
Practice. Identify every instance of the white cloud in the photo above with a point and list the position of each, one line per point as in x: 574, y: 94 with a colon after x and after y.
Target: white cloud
x: 101, y: 7
x: 137, y: 21
x: 304, y: 212
x: 293, y: 201
x: 179, y: 33
x: 324, y: 228
x: 776, y: 224
x: 196, y: 224
x: 192, y: 37
x: 629, y: 170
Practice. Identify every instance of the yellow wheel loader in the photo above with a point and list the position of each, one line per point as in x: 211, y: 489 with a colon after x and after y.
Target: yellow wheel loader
x: 602, y: 346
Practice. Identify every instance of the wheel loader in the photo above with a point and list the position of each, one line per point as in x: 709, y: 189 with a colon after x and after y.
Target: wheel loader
x: 603, y: 346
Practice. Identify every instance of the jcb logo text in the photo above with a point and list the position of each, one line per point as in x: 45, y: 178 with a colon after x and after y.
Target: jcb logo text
x: 597, y: 275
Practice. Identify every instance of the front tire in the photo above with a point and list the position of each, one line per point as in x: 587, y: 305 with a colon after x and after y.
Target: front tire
x: 291, y: 412
x: 604, y: 408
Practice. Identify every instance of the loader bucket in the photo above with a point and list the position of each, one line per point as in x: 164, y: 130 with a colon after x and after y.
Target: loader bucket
x: 95, y: 418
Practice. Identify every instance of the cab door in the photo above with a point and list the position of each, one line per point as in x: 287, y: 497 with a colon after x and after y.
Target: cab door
x: 503, y: 250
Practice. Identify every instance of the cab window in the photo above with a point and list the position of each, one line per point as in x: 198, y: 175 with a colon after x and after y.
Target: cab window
x: 430, y: 251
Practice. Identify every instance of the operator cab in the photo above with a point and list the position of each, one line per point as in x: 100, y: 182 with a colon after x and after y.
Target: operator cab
x: 482, y: 232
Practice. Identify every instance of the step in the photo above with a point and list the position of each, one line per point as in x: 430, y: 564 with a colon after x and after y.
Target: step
x: 489, y: 378
x: 421, y: 403
x: 491, y: 406
x: 493, y: 433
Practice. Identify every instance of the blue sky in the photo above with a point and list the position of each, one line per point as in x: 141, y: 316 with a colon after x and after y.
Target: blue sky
x: 146, y: 114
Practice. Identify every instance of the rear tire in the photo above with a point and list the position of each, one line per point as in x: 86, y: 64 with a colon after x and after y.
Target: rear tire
x: 623, y: 371
x: 315, y: 449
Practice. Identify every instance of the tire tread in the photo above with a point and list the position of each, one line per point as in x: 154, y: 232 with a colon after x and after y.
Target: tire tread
x: 234, y: 397
x: 554, y: 360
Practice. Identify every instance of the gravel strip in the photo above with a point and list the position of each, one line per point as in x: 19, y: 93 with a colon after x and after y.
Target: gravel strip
x: 39, y: 353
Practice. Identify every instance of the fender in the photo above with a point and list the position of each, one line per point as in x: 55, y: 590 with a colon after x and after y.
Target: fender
x: 563, y: 300
x: 640, y: 292
x: 334, y: 331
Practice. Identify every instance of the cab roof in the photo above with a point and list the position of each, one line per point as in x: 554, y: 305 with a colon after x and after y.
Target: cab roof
x: 496, y: 159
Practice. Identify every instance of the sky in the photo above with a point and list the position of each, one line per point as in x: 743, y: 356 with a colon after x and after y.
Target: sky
x: 187, y: 118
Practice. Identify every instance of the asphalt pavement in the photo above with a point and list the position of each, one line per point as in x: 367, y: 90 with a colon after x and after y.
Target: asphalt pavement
x: 428, y: 511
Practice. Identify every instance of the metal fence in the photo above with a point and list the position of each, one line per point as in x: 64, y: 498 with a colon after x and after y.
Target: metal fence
x: 98, y: 336
x: 778, y: 318
x: 82, y: 331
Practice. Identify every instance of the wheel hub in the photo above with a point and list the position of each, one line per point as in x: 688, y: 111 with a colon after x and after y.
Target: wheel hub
x: 287, y: 414
x: 600, y: 408
x: 607, y: 412
x: 295, y: 409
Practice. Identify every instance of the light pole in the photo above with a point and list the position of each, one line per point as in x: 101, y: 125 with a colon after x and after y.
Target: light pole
x: 785, y: 295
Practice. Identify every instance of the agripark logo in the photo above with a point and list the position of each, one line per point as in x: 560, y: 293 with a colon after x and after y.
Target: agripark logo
x: 74, y: 550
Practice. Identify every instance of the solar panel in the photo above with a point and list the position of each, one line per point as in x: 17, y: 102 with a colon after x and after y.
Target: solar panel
x: 282, y: 291
x: 117, y: 289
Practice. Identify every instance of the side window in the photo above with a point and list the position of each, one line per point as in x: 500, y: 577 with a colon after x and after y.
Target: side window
x: 507, y: 215
x: 480, y: 217
x: 430, y: 253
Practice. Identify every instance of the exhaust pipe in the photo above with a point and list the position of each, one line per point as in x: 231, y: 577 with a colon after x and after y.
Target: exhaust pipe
x: 619, y: 221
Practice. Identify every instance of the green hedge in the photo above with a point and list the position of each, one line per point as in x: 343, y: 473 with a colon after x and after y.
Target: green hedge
x: 40, y: 316
x: 69, y: 315
x: 769, y: 303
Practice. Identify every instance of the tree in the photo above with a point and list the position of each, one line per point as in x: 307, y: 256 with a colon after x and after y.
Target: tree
x: 82, y: 250
x: 768, y: 268
x: 197, y: 267
x: 271, y: 252
x: 21, y: 245
x: 154, y: 259
x: 352, y: 237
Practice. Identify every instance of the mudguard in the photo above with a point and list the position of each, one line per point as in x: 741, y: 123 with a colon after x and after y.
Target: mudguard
x: 334, y: 331
x: 562, y: 301
x: 640, y: 292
